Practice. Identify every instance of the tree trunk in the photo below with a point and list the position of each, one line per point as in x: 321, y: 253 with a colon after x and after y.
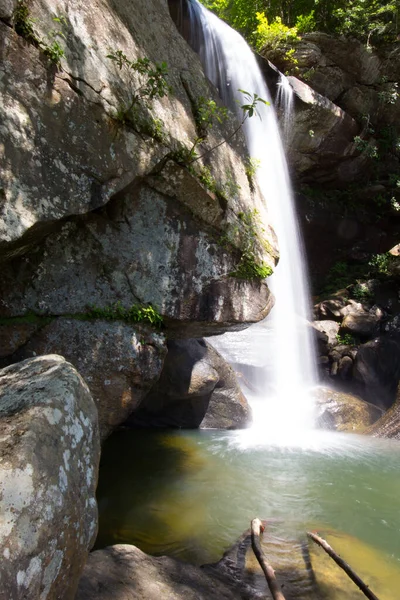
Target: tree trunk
x: 343, y: 564
x: 256, y: 528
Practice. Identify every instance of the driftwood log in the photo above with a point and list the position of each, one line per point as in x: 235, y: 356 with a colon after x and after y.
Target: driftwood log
x: 343, y: 564
x: 256, y: 529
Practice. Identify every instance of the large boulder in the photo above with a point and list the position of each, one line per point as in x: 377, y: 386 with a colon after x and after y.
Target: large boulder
x: 340, y: 411
x: 320, y: 139
x: 120, y: 362
x: 48, y: 474
x: 361, y: 324
x: 197, y: 388
x: 142, y: 248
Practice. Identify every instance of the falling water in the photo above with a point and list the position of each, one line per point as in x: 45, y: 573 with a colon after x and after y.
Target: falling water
x: 284, y: 104
x: 289, y: 358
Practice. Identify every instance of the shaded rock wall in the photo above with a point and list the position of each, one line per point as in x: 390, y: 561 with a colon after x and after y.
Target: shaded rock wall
x: 197, y: 388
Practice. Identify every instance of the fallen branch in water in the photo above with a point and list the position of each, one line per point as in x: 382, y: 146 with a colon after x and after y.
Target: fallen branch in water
x: 256, y: 528
x: 343, y: 564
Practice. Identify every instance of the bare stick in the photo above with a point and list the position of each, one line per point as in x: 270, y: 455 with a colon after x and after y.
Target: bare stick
x: 256, y: 528
x: 343, y: 564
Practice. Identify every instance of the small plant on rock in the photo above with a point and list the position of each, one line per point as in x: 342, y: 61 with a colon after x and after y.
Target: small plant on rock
x: 24, y: 26
x: 345, y: 339
x: 245, y: 233
x: 152, y: 83
x: 137, y: 313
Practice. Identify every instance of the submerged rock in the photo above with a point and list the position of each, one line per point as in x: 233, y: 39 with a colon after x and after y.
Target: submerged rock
x: 126, y: 573
x: 48, y: 474
x: 340, y: 411
x: 303, y: 570
x: 197, y: 388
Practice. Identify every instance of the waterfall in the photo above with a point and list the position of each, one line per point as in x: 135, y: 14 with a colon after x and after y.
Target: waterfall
x: 284, y: 103
x: 286, y: 343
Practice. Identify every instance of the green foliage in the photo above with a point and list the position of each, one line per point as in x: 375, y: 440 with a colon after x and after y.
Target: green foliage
x: 365, y: 19
x: 185, y: 156
x: 306, y: 23
x: 137, y: 313
x: 252, y: 164
x: 345, y: 339
x: 361, y: 292
x: 251, y: 107
x: 250, y: 269
x: 210, y: 111
x: 207, y: 112
x: 272, y: 35
x: 204, y: 175
x: 246, y: 234
x: 390, y: 95
x: 353, y: 276
x: 366, y: 147
x: 229, y: 188
x: 151, y: 84
x: 54, y: 52
x: 24, y: 26
x: 380, y: 264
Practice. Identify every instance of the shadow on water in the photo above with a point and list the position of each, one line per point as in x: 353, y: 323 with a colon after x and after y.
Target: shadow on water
x: 139, y: 493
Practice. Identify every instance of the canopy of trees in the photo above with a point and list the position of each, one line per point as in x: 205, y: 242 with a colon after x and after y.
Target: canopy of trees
x: 361, y: 18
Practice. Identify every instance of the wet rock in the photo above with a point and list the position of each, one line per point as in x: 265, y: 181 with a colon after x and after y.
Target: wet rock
x: 119, y: 362
x: 125, y: 572
x: 48, y: 474
x: 197, y: 388
x: 320, y: 140
x: 377, y: 370
x: 343, y: 412
x: 388, y: 425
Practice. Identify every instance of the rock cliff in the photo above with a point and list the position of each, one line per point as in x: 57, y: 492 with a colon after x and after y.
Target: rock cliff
x: 106, y: 209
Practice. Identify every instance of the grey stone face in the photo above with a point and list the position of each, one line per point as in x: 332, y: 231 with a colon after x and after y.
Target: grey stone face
x: 197, y: 388
x: 7, y: 9
x: 48, y: 474
x: 119, y: 362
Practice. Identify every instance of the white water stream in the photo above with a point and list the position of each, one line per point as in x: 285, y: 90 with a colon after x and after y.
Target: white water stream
x: 283, y: 342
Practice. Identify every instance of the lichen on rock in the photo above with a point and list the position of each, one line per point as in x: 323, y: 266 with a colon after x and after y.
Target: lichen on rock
x: 48, y: 475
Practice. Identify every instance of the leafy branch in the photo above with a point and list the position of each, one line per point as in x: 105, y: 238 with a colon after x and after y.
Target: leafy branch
x: 249, y: 109
x: 153, y: 80
x: 24, y: 26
